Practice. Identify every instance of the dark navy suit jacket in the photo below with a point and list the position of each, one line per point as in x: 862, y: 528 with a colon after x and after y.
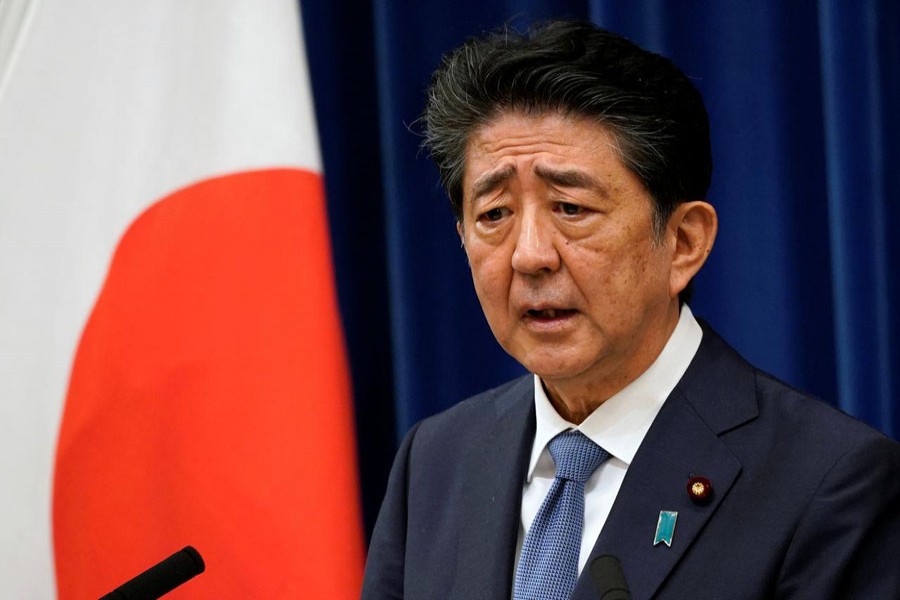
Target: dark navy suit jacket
x: 805, y: 504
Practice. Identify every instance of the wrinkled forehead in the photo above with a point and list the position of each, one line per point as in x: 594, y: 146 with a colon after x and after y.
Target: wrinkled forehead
x: 526, y: 117
x: 562, y: 135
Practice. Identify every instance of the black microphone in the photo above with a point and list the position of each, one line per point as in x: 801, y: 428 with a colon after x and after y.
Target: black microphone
x: 161, y: 578
x: 608, y: 576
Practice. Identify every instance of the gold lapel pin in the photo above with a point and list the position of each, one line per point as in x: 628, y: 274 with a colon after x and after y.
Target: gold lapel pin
x: 699, y: 489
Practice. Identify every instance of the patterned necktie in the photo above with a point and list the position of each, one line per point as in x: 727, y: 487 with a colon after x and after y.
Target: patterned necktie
x: 548, y: 566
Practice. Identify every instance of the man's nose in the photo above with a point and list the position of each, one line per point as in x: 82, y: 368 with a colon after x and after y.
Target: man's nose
x: 535, y: 246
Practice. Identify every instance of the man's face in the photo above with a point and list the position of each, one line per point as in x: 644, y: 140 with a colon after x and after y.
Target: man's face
x: 560, y: 241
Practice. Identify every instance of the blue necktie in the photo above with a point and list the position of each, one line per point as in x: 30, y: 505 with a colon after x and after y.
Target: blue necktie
x: 548, y: 566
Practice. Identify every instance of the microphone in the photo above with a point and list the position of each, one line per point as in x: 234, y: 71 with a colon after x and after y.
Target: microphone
x: 161, y: 578
x: 608, y: 576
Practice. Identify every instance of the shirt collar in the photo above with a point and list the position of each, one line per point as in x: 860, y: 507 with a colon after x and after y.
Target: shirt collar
x: 620, y: 424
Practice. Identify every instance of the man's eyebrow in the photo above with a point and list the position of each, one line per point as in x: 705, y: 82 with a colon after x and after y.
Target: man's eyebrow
x: 571, y: 178
x: 490, y: 181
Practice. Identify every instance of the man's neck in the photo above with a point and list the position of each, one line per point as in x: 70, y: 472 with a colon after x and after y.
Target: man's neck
x: 575, y: 398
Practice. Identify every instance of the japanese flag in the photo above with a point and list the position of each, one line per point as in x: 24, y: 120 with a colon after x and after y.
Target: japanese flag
x: 172, y: 371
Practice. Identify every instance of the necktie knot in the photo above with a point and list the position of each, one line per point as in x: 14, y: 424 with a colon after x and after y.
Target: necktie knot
x: 575, y: 455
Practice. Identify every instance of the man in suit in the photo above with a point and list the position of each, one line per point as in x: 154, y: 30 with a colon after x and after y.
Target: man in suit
x: 577, y: 165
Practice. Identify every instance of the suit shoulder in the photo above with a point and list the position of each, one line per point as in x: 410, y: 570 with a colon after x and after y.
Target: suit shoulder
x: 729, y: 392
x: 476, y: 417
x: 820, y: 421
x: 507, y: 396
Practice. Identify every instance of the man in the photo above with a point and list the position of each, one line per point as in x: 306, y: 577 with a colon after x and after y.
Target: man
x: 577, y: 165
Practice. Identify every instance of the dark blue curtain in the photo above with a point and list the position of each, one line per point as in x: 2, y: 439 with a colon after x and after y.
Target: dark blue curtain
x: 803, y: 100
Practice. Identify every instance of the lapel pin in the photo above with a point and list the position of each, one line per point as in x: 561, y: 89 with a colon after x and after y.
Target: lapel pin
x: 700, y: 490
x: 665, y: 527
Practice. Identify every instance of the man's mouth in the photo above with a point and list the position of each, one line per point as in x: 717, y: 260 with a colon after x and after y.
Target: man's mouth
x: 549, y: 313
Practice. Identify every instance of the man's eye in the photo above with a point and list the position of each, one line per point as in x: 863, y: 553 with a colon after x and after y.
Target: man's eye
x: 495, y: 214
x: 570, y: 209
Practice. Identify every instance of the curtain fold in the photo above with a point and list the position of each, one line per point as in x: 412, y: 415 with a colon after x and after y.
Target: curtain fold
x: 860, y: 78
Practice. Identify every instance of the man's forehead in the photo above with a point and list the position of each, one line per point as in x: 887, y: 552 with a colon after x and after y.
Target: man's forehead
x: 511, y: 128
x: 568, y: 177
x: 564, y: 139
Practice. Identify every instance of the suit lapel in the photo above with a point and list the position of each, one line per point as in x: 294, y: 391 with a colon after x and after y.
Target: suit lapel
x: 715, y: 395
x: 491, y: 499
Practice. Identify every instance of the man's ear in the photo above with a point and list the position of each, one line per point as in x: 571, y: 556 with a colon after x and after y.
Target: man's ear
x: 459, y: 232
x: 694, y: 225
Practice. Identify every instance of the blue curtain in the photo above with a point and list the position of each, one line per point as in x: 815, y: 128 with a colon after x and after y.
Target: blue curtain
x: 803, y: 100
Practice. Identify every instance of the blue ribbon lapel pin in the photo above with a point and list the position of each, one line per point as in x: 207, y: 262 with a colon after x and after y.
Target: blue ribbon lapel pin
x: 665, y: 527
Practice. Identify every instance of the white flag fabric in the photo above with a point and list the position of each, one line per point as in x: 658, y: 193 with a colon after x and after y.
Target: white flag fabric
x: 168, y: 320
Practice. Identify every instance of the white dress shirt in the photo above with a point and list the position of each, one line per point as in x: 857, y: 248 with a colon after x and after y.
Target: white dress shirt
x: 618, y: 426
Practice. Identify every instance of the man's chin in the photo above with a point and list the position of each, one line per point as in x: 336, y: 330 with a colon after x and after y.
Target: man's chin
x: 567, y: 360
x: 560, y: 372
